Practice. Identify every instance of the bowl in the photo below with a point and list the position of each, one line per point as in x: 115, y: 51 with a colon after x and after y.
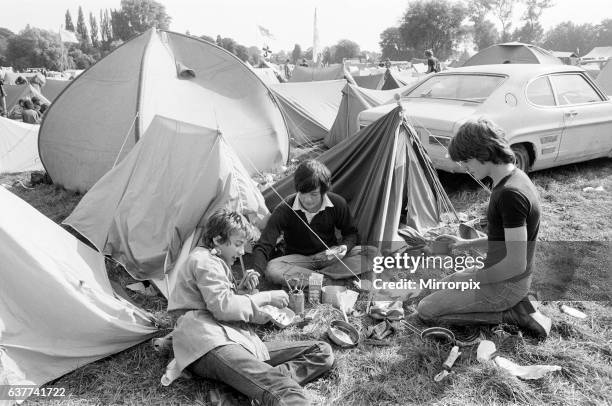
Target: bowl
x: 343, y: 334
x: 330, y: 294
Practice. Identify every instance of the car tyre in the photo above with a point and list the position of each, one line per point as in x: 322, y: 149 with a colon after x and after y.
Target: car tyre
x: 522, y: 157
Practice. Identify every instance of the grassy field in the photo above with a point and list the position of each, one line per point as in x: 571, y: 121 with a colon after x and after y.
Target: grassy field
x: 400, y: 372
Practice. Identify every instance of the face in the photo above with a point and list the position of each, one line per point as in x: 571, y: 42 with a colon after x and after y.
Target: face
x: 476, y: 168
x: 232, y: 249
x: 311, y: 201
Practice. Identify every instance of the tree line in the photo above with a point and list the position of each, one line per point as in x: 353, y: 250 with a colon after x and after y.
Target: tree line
x: 446, y: 26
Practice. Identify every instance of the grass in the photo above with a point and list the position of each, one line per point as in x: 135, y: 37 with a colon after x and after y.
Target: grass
x: 401, y: 372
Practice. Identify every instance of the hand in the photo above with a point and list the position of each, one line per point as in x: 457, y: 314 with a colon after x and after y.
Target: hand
x: 454, y: 241
x: 332, y: 254
x: 279, y: 298
x: 249, y: 281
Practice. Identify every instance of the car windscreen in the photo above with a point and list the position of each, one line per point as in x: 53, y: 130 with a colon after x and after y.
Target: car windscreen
x: 472, y: 88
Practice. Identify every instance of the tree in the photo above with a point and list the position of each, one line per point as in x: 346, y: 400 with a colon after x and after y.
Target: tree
x: 242, y: 53
x: 207, y: 38
x: 344, y: 49
x: 296, y: 54
x: 144, y: 14
x: 432, y: 24
x: 532, y: 31
x: 503, y: 10
x: 392, y: 46
x: 79, y: 59
x: 604, y: 33
x: 254, y: 55
x: 484, y: 32
x: 5, y: 35
x: 81, y: 28
x: 68, y: 22
x: 34, y: 47
x: 569, y: 37
x: 93, y: 25
x: 120, y: 26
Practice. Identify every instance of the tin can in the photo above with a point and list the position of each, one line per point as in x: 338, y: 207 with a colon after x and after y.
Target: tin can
x: 296, y: 301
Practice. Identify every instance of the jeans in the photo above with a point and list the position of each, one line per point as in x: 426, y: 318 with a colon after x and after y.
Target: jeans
x: 358, y: 261
x: 273, y: 382
x: 477, y: 306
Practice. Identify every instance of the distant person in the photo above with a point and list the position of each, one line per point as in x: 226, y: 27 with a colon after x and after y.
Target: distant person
x: 3, y: 111
x: 20, y: 80
x: 304, y: 64
x: 29, y: 115
x: 433, y: 65
x: 16, y: 112
x: 37, y: 103
x: 387, y: 63
x: 287, y: 70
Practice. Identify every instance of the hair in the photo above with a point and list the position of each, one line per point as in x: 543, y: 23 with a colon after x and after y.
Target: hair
x: 311, y: 175
x: 43, y: 108
x: 224, y: 223
x: 482, y: 140
x: 36, y: 100
x: 27, y: 104
x: 428, y: 52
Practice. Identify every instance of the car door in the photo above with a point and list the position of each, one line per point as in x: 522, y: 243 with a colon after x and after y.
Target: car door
x: 587, y: 117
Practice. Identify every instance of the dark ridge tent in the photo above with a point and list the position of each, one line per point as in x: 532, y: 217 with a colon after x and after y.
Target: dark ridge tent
x: 355, y: 99
x: 386, y: 177
x: 102, y: 114
x: 379, y: 81
x: 314, y: 74
x: 53, y: 88
x: 58, y: 311
x: 604, y: 79
x: 309, y: 108
x: 512, y: 52
x: 16, y: 92
x: 144, y: 210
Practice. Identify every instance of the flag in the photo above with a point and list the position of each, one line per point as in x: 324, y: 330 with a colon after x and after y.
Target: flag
x: 68, y: 36
x: 265, y: 32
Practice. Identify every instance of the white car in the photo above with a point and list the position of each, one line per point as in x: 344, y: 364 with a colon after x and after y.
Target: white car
x: 552, y: 114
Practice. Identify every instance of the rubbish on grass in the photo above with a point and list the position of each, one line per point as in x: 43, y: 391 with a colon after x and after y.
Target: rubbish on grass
x: 140, y: 288
x: 594, y: 189
x: 280, y: 317
x: 448, y: 364
x: 573, y: 312
x: 387, y: 309
x: 486, y: 351
x: 330, y: 294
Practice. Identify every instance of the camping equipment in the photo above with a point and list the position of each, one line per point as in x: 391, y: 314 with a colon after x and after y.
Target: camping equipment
x: 448, y: 364
x: 343, y: 333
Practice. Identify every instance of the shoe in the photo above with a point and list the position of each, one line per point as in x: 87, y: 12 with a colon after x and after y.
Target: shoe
x: 535, y: 324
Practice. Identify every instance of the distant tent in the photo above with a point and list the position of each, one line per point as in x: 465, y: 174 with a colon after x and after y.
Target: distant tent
x: 598, y: 53
x: 18, y: 146
x: 143, y: 210
x: 604, y: 79
x: 103, y: 113
x: 379, y: 81
x: 512, y: 52
x: 27, y: 91
x: 385, y: 174
x: 57, y: 308
x: 331, y: 72
x: 354, y: 100
x: 267, y: 75
x: 309, y: 107
x: 568, y: 58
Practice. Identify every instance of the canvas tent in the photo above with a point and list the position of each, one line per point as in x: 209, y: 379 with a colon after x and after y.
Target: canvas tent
x: 57, y: 308
x: 604, y: 79
x: 143, y: 210
x: 314, y: 74
x: 514, y: 52
x: 354, y: 100
x: 598, y: 54
x: 27, y: 91
x: 384, y: 173
x: 101, y: 115
x: 18, y: 146
x: 309, y: 107
x: 380, y: 81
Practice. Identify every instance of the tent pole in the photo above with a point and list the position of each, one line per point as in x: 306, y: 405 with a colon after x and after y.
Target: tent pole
x: 388, y: 189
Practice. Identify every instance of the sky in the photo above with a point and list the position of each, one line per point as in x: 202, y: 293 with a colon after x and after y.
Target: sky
x: 291, y: 22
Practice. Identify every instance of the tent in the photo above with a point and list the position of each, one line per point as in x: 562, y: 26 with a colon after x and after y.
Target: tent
x: 309, y: 107
x: 604, y: 79
x: 354, y: 100
x: 385, y: 174
x: 27, y: 91
x: 267, y: 75
x: 101, y: 114
x: 514, y: 52
x: 18, y: 146
x: 57, y: 308
x: 143, y: 210
x: 53, y: 88
x: 379, y: 81
x: 331, y: 72
x: 598, y: 54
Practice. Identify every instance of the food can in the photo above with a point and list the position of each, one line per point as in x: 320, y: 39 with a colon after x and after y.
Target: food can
x: 296, y: 301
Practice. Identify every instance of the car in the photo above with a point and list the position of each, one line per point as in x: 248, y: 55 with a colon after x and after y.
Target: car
x: 552, y: 114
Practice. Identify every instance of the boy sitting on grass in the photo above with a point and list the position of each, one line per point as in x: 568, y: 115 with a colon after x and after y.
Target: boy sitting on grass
x: 513, y: 219
x: 213, y: 337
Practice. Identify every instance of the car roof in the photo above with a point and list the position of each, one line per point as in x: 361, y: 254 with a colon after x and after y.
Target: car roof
x: 515, y: 69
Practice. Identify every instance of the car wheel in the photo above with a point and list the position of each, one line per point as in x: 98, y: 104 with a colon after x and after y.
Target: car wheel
x: 522, y: 157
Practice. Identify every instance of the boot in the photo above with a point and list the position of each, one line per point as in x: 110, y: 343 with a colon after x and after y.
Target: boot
x: 535, y: 324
